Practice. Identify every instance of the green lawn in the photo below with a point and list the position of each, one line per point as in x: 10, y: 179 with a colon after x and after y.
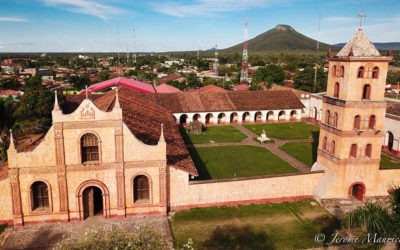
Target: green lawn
x: 216, y: 134
x: 388, y: 163
x: 287, y: 225
x: 237, y: 161
x: 285, y: 131
x: 306, y: 152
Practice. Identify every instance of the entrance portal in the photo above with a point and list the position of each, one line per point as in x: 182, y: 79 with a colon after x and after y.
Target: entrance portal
x: 358, y: 191
x: 92, y: 202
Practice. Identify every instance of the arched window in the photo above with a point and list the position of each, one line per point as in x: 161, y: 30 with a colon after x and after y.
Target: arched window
x: 372, y: 122
x: 357, y: 122
x: 89, y: 148
x: 375, y: 72
x: 333, y: 147
x: 327, y: 116
x: 141, y: 189
x: 342, y: 71
x: 335, y: 119
x: 366, y: 92
x: 336, y: 90
x: 353, y: 151
x: 40, y: 195
x: 324, y: 141
x: 334, y: 70
x: 368, y: 150
x: 360, y: 73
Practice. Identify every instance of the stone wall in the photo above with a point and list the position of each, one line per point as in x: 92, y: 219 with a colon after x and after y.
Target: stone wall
x: 5, y: 201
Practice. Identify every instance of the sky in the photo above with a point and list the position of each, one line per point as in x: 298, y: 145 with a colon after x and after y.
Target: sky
x: 181, y: 25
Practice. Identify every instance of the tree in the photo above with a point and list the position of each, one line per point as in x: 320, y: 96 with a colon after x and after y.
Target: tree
x: 269, y: 74
x: 304, y: 80
x: 79, y: 82
x: 11, y: 83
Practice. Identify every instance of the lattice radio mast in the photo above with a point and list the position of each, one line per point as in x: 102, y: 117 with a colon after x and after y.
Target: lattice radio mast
x: 244, y: 74
x: 134, y: 46
x: 216, y: 65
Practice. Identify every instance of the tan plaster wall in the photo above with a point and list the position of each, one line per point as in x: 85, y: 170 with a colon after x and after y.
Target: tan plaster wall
x: 5, y: 200
x: 42, y: 155
x: 184, y: 194
x: 135, y: 150
x: 391, y: 177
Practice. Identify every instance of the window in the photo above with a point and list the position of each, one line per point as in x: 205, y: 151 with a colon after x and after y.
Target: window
x: 40, y: 195
x: 89, y: 148
x: 324, y: 140
x: 368, y: 150
x: 353, y: 151
x: 336, y: 90
x: 366, y: 92
x: 333, y: 147
x: 360, y: 73
x: 334, y: 70
x: 141, y: 189
x: 357, y: 122
x: 372, y: 121
x: 327, y: 118
x: 342, y: 71
x: 375, y: 72
x: 335, y: 119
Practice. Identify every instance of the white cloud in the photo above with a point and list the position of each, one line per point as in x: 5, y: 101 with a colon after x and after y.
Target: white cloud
x: 87, y: 7
x: 13, y: 19
x: 208, y: 7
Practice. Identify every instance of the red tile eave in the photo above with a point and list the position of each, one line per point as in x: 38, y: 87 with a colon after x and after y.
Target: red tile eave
x: 3, y: 171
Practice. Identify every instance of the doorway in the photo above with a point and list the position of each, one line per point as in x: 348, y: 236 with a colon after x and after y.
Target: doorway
x: 358, y: 191
x: 92, y: 202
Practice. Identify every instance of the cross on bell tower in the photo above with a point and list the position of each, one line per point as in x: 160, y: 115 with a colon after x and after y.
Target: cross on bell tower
x: 361, y: 15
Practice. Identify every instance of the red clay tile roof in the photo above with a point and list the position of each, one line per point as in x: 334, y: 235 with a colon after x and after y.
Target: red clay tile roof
x: 122, y: 81
x: 241, y: 87
x: 3, y: 171
x: 393, y: 108
x: 227, y: 101
x: 297, y: 92
x: 165, y: 88
x: 144, y: 119
x: 171, y: 77
x: 211, y: 88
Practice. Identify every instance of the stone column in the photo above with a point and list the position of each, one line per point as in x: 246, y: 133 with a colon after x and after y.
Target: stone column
x: 120, y: 172
x: 61, y: 171
x: 16, y: 197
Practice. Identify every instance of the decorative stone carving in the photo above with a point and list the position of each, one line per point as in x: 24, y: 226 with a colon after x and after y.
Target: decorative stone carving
x: 87, y: 112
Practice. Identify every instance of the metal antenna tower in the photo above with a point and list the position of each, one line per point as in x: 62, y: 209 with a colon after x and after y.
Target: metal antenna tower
x: 118, y: 39
x: 316, y: 54
x: 134, y: 46
x: 216, y: 61
x: 244, y: 74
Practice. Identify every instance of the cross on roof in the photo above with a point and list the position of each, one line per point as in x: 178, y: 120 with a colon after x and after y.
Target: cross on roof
x: 361, y: 15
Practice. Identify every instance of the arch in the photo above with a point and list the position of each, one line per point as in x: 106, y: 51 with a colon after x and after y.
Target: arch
x: 234, y: 117
x: 281, y: 114
x: 357, y: 122
x: 104, y: 193
x: 390, y: 140
x: 341, y: 71
x: 270, y: 116
x: 335, y: 119
x: 221, y: 118
x: 89, y: 144
x: 293, y: 114
x: 333, y: 146
x: 357, y: 191
x: 327, y: 116
x: 360, y: 73
x: 353, y: 151
x: 209, y: 116
x: 372, y: 122
x: 336, y: 90
x: 375, y: 72
x: 324, y: 142
x: 40, y: 196
x: 92, y: 198
x: 183, y: 119
x: 257, y: 116
x: 141, y: 189
x: 245, y: 116
x: 315, y: 113
x: 196, y: 117
x: 366, y: 92
x: 334, y: 70
x: 368, y: 150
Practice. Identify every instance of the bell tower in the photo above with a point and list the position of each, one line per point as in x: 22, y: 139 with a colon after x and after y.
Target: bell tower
x: 352, y: 123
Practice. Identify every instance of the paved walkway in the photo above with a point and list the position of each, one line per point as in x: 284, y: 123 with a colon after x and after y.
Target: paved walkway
x: 273, y: 147
x: 49, y: 236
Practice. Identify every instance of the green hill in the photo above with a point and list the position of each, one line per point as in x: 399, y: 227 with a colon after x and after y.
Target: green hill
x: 282, y: 38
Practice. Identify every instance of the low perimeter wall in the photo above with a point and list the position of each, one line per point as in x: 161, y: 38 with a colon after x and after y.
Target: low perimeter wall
x: 186, y: 195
